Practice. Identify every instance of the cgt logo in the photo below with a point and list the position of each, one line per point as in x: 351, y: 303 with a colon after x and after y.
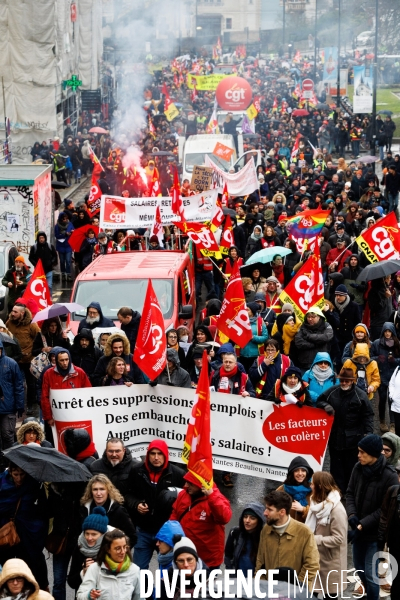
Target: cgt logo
x: 234, y: 93
x: 114, y: 211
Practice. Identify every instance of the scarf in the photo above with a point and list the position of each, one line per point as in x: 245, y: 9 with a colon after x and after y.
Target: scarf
x: 89, y: 551
x: 175, y: 347
x: 5, y: 594
x: 298, y: 492
x: 320, y: 514
x: 224, y: 386
x: 320, y: 374
x: 62, y: 228
x: 389, y: 343
x: 115, y: 567
x: 291, y: 390
x: 165, y: 560
x: 370, y: 471
x: 342, y: 306
x: 255, y: 236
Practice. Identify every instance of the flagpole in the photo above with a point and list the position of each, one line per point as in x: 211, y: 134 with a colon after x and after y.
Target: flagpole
x: 347, y: 247
x: 215, y: 265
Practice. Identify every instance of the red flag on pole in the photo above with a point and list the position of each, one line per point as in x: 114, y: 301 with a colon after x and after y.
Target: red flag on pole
x: 233, y: 319
x: 382, y: 240
x: 38, y: 289
x: 218, y: 216
x: 176, y: 205
x: 227, y: 240
x: 150, y: 353
x: 197, y: 449
x: 157, y: 228
x: 306, y: 289
x: 200, y: 234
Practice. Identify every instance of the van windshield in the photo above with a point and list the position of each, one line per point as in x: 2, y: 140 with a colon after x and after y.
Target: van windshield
x: 199, y: 159
x: 114, y: 293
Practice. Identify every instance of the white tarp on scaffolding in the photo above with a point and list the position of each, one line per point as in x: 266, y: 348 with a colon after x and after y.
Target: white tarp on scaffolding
x: 40, y: 47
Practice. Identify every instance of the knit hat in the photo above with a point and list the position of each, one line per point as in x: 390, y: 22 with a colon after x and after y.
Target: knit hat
x: 361, y: 328
x: 185, y: 545
x: 153, y: 238
x: 347, y: 374
x: 272, y: 279
x: 199, y: 349
x: 2, y: 324
x: 20, y: 259
x: 97, y: 520
x: 67, y: 202
x: 341, y: 290
x: 292, y: 371
x: 287, y: 306
x: 254, y: 307
x: 371, y: 444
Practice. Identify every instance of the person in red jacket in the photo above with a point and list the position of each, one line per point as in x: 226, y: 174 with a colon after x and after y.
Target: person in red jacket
x: 337, y: 256
x: 203, y: 515
x: 63, y: 376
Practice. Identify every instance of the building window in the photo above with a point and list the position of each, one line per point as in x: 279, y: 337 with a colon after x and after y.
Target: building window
x: 228, y: 24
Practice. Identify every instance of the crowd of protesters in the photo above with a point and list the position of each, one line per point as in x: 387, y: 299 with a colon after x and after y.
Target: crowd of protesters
x: 342, y: 359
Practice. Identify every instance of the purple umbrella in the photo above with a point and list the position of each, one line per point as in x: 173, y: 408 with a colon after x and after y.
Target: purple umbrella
x: 56, y: 310
x: 368, y: 159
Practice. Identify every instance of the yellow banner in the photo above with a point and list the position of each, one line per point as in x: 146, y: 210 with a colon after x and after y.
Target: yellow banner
x: 205, y: 83
x: 362, y: 244
x: 252, y: 112
x: 284, y: 298
x: 172, y: 112
x: 212, y: 254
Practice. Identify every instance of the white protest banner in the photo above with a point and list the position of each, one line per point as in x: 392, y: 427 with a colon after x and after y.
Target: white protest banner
x: 133, y: 213
x: 248, y: 435
x: 239, y: 184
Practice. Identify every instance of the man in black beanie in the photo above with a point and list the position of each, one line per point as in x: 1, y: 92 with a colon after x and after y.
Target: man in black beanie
x: 369, y: 482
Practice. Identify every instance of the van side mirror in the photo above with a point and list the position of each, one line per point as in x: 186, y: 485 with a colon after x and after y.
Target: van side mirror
x: 186, y: 312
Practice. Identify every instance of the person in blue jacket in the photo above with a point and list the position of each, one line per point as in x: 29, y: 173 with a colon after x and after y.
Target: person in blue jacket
x: 12, y: 402
x: 62, y: 231
x: 320, y: 376
x: 255, y: 346
x: 169, y: 534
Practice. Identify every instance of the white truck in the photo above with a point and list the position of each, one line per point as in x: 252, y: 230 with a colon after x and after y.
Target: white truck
x: 193, y: 151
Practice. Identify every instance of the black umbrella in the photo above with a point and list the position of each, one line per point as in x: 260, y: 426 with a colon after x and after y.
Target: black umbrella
x: 7, y: 340
x: 385, y: 112
x: 228, y: 211
x: 247, y: 270
x: 322, y: 106
x: 379, y: 269
x: 47, y: 464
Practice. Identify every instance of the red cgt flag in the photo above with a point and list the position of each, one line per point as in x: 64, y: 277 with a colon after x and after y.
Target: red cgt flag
x: 197, y: 449
x: 150, y: 353
x: 233, y: 318
x: 176, y: 204
x: 200, y: 234
x: 306, y: 289
x: 382, y: 240
x: 38, y: 289
x: 227, y: 240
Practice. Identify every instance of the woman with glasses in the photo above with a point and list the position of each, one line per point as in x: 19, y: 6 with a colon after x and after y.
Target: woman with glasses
x: 391, y: 448
x: 185, y: 559
x: 18, y: 583
x: 113, y: 575
x: 173, y: 342
x: 321, y: 376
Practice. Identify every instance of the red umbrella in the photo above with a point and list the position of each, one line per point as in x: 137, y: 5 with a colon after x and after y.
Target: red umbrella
x: 78, y: 235
x: 98, y: 130
x: 300, y: 112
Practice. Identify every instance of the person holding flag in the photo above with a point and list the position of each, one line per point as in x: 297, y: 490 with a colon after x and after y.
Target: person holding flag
x: 16, y: 280
x: 200, y: 507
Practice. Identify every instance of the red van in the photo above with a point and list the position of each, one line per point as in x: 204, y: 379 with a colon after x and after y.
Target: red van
x: 120, y: 279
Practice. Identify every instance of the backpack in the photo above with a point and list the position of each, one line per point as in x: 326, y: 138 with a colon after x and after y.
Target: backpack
x: 40, y: 362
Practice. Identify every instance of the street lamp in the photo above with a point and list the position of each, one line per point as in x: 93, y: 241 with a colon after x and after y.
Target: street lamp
x: 338, y: 62
x: 375, y: 80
